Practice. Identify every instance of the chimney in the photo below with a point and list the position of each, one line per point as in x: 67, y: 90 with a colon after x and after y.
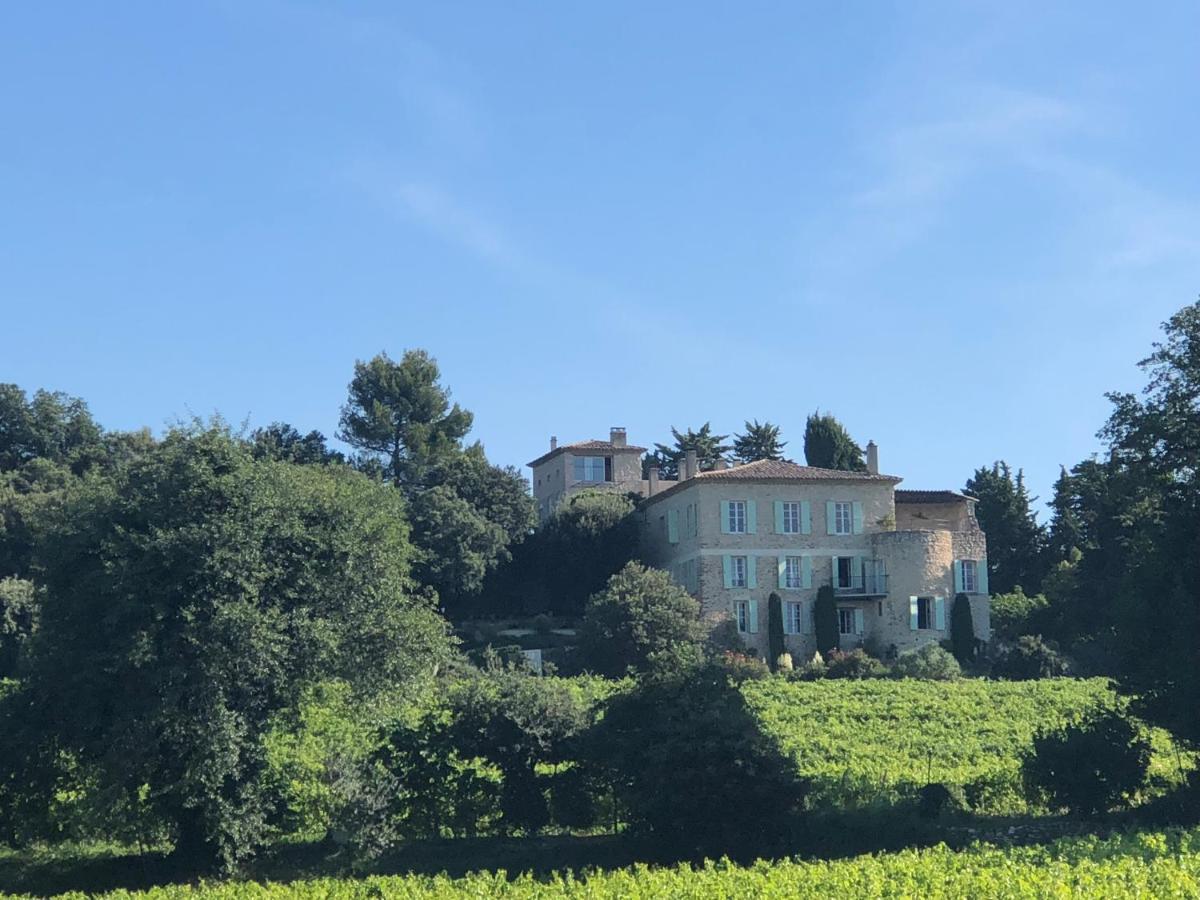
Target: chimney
x: 653, y: 480
x: 553, y: 442
x: 616, y: 437
x: 690, y: 464
x: 872, y: 458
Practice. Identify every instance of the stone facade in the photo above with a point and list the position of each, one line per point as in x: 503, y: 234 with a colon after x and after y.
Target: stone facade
x: 556, y: 475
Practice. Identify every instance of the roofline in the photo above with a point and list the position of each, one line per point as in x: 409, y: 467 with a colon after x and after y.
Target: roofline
x: 677, y: 486
x: 958, y: 494
x: 566, y: 448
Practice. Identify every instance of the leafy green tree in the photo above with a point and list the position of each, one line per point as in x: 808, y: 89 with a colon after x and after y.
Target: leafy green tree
x: 400, y: 412
x: 1015, y: 540
x: 758, y: 442
x: 50, y: 426
x: 457, y: 546
x: 1015, y: 614
x: 282, y: 441
x: 189, y: 599
x: 827, y: 445
x: 18, y: 618
x: 774, y: 629
x: 962, y: 629
x: 641, y: 620
x: 825, y: 620
x: 708, y: 446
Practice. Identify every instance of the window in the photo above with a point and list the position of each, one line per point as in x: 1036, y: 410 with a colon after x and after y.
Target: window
x: 843, y: 518
x: 845, y: 573
x: 743, y: 616
x: 791, y: 517
x: 593, y: 468
x: 794, y: 622
x: 737, y: 516
x: 925, y: 613
x: 968, y: 576
x: 793, y: 574
x: 845, y: 621
x: 737, y: 571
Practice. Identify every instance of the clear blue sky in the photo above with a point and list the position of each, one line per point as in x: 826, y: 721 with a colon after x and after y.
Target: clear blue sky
x: 953, y: 226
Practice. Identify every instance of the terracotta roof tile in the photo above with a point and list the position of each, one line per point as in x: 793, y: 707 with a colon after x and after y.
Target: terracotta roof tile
x: 775, y: 470
x: 586, y: 445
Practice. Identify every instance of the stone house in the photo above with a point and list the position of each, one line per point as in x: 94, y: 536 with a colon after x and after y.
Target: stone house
x: 614, y: 465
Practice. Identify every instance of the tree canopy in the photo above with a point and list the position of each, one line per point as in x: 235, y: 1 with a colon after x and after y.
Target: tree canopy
x: 828, y: 445
x: 709, y: 447
x: 1015, y: 540
x: 758, y: 442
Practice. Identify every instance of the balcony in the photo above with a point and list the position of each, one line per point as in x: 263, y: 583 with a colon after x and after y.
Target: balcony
x: 868, y: 585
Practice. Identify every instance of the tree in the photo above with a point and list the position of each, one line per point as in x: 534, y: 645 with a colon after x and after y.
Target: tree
x: 1015, y: 540
x: 827, y: 445
x: 190, y: 598
x: 457, y: 546
x: 962, y: 629
x: 18, y: 618
x: 708, y: 446
x: 775, y: 643
x: 1015, y: 614
x: 758, y: 442
x: 825, y: 620
x: 282, y: 441
x: 641, y: 620
x: 51, y: 426
x: 401, y: 412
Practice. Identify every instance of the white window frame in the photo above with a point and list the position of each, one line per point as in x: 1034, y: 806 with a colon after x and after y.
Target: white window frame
x: 737, y: 517
x: 739, y: 571
x: 843, y: 517
x: 742, y: 615
x: 791, y: 516
x: 846, y: 614
x: 970, y: 576
x: 795, y: 616
x: 793, y: 573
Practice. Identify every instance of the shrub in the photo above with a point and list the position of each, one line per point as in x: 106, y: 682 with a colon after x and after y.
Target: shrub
x: 783, y: 663
x: 1015, y: 614
x: 933, y: 800
x: 962, y: 629
x: 542, y: 624
x: 775, y: 645
x: 812, y: 670
x: 1029, y: 658
x: 855, y: 664
x: 743, y: 667
x: 825, y: 620
x: 1088, y: 767
x: 931, y: 662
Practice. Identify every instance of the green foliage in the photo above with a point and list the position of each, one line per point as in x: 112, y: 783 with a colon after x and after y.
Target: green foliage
x: 708, y: 446
x: 962, y: 629
x: 641, y: 620
x: 457, y: 546
x: 759, y: 442
x: 775, y: 645
x: 856, y: 663
x: 931, y: 663
x: 1015, y: 614
x: 400, y: 412
x: 1030, y: 658
x: 825, y: 620
x: 691, y: 768
x: 18, y: 618
x: 284, y: 442
x: 188, y: 600
x: 1089, y: 767
x: 1015, y: 540
x: 50, y: 426
x: 828, y: 445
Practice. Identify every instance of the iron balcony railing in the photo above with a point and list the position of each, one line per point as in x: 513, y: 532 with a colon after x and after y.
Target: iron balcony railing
x: 860, y: 585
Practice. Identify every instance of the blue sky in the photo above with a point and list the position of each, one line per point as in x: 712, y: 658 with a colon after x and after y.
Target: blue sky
x: 952, y: 225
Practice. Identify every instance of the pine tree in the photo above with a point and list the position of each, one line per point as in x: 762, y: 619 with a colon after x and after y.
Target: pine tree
x: 708, y: 446
x: 1015, y: 540
x: 759, y: 442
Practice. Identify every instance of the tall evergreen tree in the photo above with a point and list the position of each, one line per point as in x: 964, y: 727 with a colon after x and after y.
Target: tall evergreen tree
x: 828, y: 445
x: 708, y: 446
x: 1015, y: 540
x: 758, y: 442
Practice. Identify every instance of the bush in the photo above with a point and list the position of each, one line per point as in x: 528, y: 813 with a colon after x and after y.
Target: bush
x: 1015, y: 614
x: 933, y: 800
x: 783, y: 663
x: 1028, y: 659
x: 855, y: 664
x: 812, y: 670
x: 962, y: 629
x: 931, y: 662
x: 743, y: 667
x: 1089, y: 767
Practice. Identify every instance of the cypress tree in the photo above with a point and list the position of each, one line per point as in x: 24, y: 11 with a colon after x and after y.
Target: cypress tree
x: 825, y: 620
x: 774, y: 629
x: 962, y: 629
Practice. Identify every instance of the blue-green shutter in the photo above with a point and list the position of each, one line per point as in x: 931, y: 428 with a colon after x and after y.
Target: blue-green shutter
x: 805, y: 517
x: 753, y: 606
x: 806, y: 571
x: 779, y: 517
x: 913, y: 618
x: 751, y: 571
x: 856, y: 572
x: 806, y: 618
x: 673, y: 526
x: 727, y: 567
x: 751, y: 517
x: 830, y: 518
x: 858, y: 621
x: 958, y: 576
x: 833, y: 572
x: 787, y: 618
x: 782, y: 571
x: 939, y: 613
x: 858, y: 517
x: 981, y: 579
x: 724, y: 517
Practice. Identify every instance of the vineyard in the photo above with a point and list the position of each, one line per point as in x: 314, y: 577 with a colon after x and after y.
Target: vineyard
x: 862, y: 741
x: 1151, y: 864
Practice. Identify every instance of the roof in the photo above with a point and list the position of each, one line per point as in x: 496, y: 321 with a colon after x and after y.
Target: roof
x: 585, y: 445
x: 930, y: 496
x: 774, y: 470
